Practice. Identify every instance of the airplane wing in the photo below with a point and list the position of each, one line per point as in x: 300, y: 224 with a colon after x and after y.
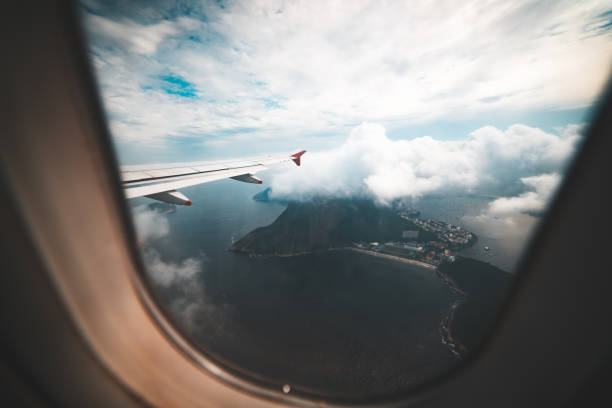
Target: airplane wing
x: 161, y: 181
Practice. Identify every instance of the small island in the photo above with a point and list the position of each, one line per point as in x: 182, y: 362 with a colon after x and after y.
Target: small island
x: 263, y: 195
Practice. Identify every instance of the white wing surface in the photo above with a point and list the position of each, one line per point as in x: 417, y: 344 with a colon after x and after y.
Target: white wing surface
x: 161, y: 181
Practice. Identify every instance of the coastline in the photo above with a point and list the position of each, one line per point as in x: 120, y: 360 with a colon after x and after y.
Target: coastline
x: 453, y: 344
x: 391, y: 257
x: 451, y: 283
x: 456, y: 347
x: 362, y: 251
x: 447, y: 338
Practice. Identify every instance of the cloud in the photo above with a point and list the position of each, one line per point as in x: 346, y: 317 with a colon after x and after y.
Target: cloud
x: 179, y: 283
x: 182, y: 287
x: 134, y: 37
x: 303, y: 68
x: 168, y: 274
x: 508, y: 221
x: 490, y: 160
x: 530, y: 202
x: 149, y: 224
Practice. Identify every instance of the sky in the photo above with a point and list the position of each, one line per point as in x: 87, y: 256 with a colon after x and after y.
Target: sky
x: 192, y: 80
x: 392, y: 100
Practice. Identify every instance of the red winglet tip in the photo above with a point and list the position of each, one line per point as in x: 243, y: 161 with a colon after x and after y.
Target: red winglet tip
x: 296, y: 157
x: 188, y: 202
x: 259, y: 181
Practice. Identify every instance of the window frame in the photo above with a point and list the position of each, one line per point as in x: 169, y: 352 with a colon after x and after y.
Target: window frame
x: 76, y: 217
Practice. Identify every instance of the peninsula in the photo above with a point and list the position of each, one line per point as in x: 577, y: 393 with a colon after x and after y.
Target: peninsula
x: 359, y: 225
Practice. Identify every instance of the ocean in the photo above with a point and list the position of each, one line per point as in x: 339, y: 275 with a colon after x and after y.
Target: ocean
x: 335, y: 324
x: 506, y: 241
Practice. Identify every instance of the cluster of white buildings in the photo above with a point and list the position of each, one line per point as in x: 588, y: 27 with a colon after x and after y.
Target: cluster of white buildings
x: 448, y: 233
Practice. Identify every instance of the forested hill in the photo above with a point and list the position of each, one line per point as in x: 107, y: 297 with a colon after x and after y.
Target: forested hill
x: 321, y: 224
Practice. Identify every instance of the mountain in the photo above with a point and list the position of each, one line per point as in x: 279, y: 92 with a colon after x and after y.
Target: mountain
x: 321, y: 224
x: 315, y: 226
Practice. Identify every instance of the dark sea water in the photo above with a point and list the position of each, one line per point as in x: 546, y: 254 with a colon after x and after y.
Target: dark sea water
x: 338, y: 323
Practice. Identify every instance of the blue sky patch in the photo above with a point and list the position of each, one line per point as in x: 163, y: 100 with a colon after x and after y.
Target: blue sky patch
x: 175, y: 85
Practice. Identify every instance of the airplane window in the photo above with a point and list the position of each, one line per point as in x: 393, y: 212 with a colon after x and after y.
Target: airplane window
x: 332, y: 199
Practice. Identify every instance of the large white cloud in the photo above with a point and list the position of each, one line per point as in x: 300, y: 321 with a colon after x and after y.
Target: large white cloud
x: 294, y: 68
x: 490, y: 160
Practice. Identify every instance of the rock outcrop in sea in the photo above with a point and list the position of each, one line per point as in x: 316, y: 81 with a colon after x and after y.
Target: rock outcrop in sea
x: 263, y: 195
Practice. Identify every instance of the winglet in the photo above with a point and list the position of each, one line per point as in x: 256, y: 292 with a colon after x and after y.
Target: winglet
x: 296, y: 157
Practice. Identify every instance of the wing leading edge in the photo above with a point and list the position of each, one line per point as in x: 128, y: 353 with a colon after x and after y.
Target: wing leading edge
x: 161, y: 181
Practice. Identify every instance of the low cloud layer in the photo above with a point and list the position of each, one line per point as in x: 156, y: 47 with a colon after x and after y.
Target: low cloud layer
x: 520, y: 161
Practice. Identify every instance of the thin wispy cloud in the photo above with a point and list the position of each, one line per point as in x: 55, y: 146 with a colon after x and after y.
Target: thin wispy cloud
x: 130, y: 36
